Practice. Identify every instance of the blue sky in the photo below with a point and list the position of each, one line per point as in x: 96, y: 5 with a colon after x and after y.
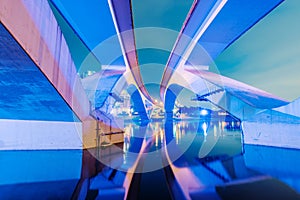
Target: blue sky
x: 167, y: 16
x: 268, y: 55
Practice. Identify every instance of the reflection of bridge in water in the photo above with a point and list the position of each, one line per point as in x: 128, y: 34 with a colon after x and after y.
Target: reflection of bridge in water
x: 178, y: 155
x: 80, y: 82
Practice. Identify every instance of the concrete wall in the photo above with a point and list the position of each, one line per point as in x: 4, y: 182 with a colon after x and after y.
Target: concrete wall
x: 293, y: 108
x: 29, y: 134
x: 268, y: 132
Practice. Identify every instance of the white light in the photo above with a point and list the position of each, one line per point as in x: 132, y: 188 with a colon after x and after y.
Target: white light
x: 204, y: 128
x: 203, y: 112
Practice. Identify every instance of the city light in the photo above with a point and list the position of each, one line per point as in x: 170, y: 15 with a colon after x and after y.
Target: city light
x: 204, y: 128
x: 203, y: 112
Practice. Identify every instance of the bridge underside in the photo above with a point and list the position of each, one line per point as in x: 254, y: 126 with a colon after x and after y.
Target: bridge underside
x: 64, y: 70
x: 33, y: 113
x: 200, y: 44
x: 46, y: 78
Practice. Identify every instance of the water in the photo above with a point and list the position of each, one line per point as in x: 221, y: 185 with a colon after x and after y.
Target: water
x: 39, y: 174
x: 199, y: 139
x: 280, y: 163
x: 212, y: 149
x: 193, y: 139
x: 192, y: 144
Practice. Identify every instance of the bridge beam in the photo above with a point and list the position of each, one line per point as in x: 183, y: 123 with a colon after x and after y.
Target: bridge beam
x: 34, y: 27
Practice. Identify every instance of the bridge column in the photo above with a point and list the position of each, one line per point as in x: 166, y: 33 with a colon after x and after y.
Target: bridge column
x: 34, y: 27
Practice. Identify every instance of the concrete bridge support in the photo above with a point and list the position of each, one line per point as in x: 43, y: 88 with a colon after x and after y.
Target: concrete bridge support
x: 34, y: 27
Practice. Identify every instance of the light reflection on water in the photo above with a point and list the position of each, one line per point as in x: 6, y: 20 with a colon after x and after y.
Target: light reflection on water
x: 55, y: 174
x: 194, y: 138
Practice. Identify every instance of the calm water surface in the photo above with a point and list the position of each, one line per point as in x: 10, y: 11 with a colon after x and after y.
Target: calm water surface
x: 55, y: 174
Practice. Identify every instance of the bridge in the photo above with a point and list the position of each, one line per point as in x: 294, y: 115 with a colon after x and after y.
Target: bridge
x: 82, y: 64
x: 64, y: 65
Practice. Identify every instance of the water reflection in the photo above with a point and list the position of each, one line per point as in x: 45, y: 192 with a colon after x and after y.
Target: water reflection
x: 47, y: 174
x: 188, y: 139
x: 195, y: 144
x: 198, y: 139
x: 206, y: 151
x: 280, y: 163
